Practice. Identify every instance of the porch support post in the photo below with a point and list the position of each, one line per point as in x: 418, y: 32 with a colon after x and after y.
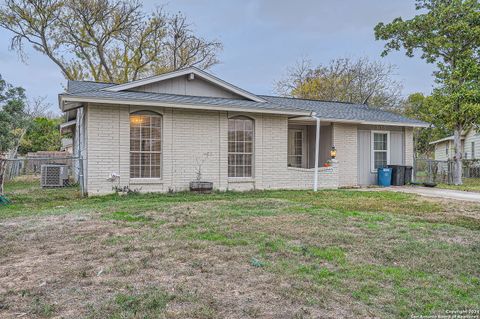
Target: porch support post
x: 317, y: 150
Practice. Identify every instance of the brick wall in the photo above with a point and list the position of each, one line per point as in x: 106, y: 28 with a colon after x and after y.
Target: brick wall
x: 188, y: 135
x: 345, y: 141
x: 300, y: 178
x: 103, y: 145
x: 409, y: 146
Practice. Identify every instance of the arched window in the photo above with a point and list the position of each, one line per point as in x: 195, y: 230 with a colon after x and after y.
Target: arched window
x: 145, y: 145
x: 240, y: 146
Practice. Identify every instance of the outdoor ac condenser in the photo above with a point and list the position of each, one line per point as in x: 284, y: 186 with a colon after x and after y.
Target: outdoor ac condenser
x: 54, y: 175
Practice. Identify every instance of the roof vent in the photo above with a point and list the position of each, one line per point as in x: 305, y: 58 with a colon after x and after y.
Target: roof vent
x: 191, y: 77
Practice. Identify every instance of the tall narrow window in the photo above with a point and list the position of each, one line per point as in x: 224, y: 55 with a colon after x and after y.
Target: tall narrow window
x: 295, y: 148
x: 145, y: 145
x: 240, y: 146
x: 380, y: 150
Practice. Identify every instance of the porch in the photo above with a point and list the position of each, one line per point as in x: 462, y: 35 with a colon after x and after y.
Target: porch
x: 303, y: 158
x: 302, y: 143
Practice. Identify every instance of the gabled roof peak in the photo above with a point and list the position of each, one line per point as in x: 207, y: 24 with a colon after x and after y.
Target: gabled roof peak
x: 191, y: 72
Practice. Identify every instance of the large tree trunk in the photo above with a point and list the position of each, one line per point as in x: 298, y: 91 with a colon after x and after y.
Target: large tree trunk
x: 457, y: 145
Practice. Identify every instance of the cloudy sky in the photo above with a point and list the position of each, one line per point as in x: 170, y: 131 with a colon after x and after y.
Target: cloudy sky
x: 261, y: 38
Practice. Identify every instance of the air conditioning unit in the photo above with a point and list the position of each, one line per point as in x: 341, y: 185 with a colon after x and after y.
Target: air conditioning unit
x: 54, y: 175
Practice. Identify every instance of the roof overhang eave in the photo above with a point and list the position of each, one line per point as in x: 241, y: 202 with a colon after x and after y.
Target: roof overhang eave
x: 67, y: 126
x: 445, y: 139
x: 66, y: 104
x: 361, y: 122
x: 76, y: 101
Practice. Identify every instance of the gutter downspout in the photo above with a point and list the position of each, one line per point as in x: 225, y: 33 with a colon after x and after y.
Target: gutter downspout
x: 317, y: 150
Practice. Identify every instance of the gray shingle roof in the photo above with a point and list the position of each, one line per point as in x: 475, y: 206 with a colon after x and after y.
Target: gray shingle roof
x: 323, y: 109
x: 343, y: 111
x: 74, y: 87
x: 94, y: 90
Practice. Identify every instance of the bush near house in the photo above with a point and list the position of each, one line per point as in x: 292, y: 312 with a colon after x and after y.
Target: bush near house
x: 43, y: 134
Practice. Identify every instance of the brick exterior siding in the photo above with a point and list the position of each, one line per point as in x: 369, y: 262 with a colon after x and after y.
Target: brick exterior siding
x: 345, y: 141
x: 188, y: 135
x: 409, y: 146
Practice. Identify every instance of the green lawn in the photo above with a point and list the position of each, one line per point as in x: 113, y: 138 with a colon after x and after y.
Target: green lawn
x: 469, y: 185
x: 269, y: 254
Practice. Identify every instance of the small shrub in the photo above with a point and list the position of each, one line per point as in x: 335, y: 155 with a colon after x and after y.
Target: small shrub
x: 126, y: 190
x: 256, y: 263
x: 41, y: 308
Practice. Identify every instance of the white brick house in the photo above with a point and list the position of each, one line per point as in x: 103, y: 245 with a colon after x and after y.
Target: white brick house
x: 152, y: 133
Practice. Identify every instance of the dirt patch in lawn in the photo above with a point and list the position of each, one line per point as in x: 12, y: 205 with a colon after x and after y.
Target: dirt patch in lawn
x: 77, y: 266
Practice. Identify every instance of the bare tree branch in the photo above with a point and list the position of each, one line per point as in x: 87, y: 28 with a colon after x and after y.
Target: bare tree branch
x: 106, y: 40
x: 356, y: 81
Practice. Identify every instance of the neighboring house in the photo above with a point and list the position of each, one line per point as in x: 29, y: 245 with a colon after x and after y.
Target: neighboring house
x: 470, y: 148
x: 151, y: 134
x: 67, y: 145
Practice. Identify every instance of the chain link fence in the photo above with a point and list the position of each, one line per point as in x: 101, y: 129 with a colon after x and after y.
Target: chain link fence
x: 471, y: 168
x: 433, y: 171
x: 48, y: 172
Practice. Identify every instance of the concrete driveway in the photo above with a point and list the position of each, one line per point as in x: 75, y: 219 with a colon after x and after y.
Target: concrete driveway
x: 433, y: 192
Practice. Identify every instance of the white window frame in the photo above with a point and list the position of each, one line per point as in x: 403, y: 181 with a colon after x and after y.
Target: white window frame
x: 372, y: 149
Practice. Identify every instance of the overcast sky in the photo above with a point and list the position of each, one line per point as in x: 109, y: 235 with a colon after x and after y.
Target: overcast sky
x: 261, y: 39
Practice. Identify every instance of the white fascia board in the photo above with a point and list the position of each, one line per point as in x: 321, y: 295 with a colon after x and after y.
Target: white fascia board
x: 197, y: 72
x: 67, y: 124
x: 448, y: 138
x: 72, y: 105
x: 82, y: 100
x: 362, y: 122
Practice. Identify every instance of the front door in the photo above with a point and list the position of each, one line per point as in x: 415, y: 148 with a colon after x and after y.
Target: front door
x: 296, y: 148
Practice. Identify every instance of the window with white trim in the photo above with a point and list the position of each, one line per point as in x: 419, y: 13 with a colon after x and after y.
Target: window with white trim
x: 295, y: 148
x: 145, y: 145
x: 240, y: 146
x: 380, y: 149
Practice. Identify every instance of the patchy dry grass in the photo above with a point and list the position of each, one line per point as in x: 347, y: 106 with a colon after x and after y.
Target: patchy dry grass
x: 469, y: 185
x: 276, y: 254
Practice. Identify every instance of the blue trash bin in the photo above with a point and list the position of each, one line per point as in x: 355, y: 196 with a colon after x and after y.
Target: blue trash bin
x: 385, y: 177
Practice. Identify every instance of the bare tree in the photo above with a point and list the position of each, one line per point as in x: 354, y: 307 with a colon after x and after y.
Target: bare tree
x: 296, y: 75
x: 186, y: 49
x: 106, y: 40
x: 357, y: 81
x: 39, y: 107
